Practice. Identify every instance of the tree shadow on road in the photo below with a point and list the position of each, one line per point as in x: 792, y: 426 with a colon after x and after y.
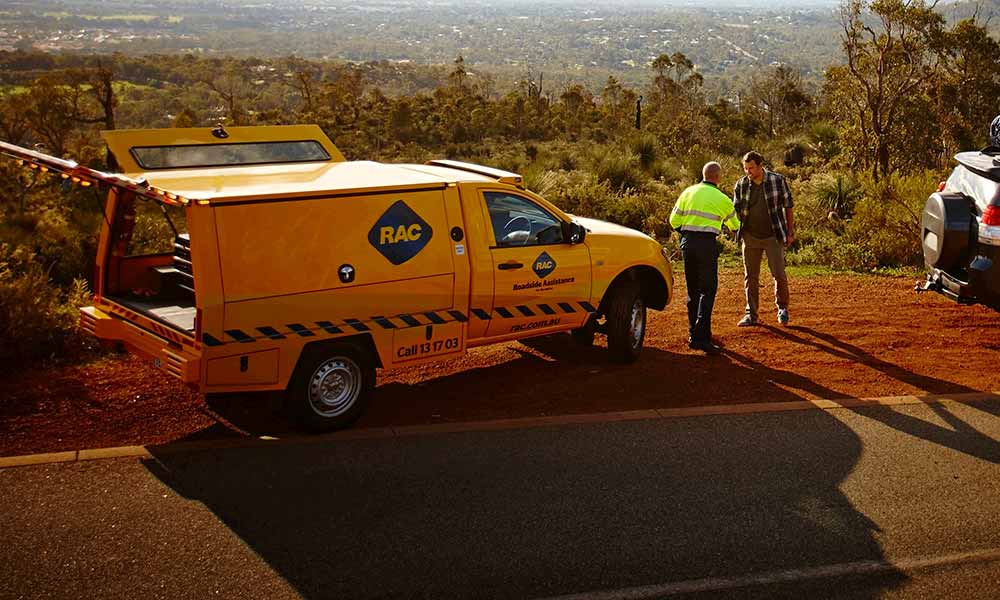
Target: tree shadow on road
x: 784, y: 378
x: 841, y: 349
x: 961, y: 436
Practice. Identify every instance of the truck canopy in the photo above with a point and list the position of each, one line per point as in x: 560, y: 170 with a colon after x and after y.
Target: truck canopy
x: 218, y: 165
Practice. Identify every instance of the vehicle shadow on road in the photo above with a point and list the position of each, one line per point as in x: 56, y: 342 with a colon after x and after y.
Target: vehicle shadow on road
x: 553, y: 376
x: 958, y: 435
x: 546, y: 511
x: 544, y: 376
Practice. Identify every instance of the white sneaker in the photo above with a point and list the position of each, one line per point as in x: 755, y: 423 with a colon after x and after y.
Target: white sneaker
x: 783, y: 316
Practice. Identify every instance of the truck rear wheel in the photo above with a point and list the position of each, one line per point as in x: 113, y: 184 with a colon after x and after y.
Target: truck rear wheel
x: 331, y: 386
x: 626, y: 322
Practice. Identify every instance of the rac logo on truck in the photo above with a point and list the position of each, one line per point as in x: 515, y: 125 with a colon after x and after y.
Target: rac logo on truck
x: 544, y: 265
x: 400, y: 234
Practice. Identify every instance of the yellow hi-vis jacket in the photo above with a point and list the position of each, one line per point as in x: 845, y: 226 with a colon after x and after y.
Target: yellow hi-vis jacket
x: 703, y: 207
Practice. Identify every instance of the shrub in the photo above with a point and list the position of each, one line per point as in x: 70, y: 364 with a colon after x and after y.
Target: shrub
x: 555, y: 185
x: 852, y: 256
x: 887, y: 220
x: 577, y: 192
x: 646, y: 148
x: 631, y: 209
x: 693, y: 162
x: 824, y: 139
x: 667, y: 171
x: 619, y: 169
x: 37, y: 320
x: 581, y: 193
x: 835, y: 193
x: 510, y: 158
x: 567, y: 161
x: 883, y: 229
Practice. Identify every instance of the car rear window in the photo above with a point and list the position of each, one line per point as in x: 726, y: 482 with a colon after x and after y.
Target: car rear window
x: 228, y: 155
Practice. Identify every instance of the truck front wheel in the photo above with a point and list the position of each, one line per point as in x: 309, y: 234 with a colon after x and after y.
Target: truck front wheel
x: 331, y: 386
x: 626, y: 322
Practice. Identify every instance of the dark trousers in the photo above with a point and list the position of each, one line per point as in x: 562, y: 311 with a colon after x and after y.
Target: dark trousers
x: 701, y: 272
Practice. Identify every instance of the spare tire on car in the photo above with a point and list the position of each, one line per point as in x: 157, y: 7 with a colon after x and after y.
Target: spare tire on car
x: 947, y: 230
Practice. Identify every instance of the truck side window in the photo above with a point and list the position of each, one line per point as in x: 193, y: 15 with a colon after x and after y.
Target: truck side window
x: 517, y: 221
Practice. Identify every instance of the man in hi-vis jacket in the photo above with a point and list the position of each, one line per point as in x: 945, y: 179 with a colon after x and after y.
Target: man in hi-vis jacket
x: 698, y: 215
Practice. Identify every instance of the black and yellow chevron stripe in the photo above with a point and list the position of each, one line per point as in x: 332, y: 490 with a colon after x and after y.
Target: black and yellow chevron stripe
x: 403, y: 321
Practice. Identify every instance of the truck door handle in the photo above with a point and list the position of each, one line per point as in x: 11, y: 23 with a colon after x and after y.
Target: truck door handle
x: 509, y: 265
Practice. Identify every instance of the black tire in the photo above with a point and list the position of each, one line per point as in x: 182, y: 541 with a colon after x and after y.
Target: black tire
x: 626, y: 322
x: 584, y: 336
x: 331, y: 386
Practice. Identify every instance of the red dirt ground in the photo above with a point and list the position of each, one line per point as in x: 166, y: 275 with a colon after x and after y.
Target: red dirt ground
x: 850, y: 337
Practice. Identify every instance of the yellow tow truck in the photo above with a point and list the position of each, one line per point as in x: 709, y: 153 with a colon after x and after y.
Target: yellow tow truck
x: 285, y: 267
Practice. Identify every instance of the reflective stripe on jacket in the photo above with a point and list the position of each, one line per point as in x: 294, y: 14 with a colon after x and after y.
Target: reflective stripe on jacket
x: 703, y: 207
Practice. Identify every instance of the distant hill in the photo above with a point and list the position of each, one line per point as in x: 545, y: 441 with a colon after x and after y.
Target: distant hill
x: 578, y: 41
x: 566, y: 40
x: 987, y: 10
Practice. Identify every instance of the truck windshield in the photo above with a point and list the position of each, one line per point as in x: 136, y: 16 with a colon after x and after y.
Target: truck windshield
x: 228, y: 155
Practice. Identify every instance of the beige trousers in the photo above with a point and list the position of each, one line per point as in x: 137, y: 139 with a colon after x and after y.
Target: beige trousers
x: 753, y: 249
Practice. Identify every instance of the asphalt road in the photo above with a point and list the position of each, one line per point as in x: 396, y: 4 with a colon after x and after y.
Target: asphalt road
x: 849, y: 503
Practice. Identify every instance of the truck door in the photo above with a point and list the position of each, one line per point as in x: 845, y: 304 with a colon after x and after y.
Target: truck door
x: 541, y: 281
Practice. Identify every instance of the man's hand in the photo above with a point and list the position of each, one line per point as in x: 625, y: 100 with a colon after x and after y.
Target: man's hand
x: 789, y: 239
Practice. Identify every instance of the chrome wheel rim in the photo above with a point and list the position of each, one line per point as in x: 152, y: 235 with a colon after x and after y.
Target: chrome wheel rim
x: 334, y: 386
x: 637, y: 325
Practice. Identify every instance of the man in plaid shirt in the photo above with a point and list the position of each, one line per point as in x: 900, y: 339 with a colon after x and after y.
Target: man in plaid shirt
x: 763, y: 202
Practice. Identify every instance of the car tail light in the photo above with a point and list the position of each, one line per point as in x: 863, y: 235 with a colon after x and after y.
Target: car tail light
x: 991, y: 216
x: 941, y: 186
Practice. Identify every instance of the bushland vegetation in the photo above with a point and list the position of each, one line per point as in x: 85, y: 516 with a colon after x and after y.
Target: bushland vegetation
x: 862, y: 151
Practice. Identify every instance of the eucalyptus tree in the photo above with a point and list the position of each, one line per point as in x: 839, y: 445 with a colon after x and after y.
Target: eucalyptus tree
x: 893, y: 49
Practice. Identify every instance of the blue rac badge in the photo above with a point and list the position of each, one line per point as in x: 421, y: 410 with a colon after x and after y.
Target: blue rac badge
x: 544, y: 265
x: 400, y: 234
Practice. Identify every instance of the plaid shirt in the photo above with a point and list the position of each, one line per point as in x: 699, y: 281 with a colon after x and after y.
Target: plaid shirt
x: 777, y: 195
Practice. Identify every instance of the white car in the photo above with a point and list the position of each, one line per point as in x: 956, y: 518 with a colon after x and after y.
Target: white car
x: 961, y: 229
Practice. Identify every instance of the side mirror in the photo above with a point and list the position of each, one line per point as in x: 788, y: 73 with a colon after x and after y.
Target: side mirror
x: 575, y: 233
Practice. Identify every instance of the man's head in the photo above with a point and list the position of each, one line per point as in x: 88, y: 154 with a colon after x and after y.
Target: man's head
x: 712, y: 172
x: 753, y: 165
